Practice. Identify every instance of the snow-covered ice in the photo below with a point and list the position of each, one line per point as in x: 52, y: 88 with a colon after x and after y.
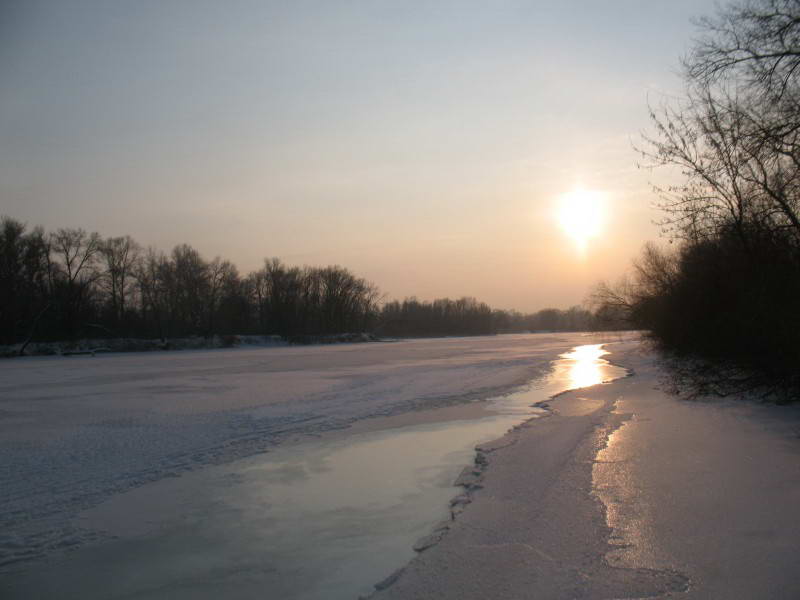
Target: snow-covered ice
x: 76, y: 430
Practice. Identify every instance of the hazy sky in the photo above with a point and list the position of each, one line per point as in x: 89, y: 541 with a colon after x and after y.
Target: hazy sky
x: 423, y: 145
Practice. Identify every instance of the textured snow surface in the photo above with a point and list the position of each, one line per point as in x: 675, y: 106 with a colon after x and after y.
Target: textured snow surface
x: 75, y: 430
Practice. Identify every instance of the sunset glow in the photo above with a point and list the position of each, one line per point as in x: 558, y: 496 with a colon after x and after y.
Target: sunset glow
x: 416, y: 144
x: 581, y: 215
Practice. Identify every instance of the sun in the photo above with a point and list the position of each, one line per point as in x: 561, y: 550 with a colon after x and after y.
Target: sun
x: 581, y: 214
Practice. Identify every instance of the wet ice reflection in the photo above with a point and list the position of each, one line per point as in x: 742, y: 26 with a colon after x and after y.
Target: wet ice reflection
x: 585, y: 367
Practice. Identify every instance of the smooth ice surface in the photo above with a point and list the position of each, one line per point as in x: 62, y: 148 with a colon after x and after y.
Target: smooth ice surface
x: 317, y: 520
x: 708, y: 488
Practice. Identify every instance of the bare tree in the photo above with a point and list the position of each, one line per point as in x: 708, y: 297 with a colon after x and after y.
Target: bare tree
x: 150, y: 276
x: 188, y: 289
x: 736, y: 135
x: 220, y: 275
x: 74, y: 274
x: 120, y: 256
x: 757, y: 43
x: 76, y: 252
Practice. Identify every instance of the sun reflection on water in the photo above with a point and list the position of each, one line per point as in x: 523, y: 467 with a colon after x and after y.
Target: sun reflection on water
x: 585, y: 366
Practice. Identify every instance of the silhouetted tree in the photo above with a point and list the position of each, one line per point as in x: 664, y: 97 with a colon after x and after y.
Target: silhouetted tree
x: 120, y: 257
x: 24, y: 280
x: 153, y: 275
x: 74, y: 254
x: 735, y: 135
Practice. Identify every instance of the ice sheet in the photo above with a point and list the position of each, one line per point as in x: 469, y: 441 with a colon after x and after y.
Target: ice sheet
x: 76, y: 430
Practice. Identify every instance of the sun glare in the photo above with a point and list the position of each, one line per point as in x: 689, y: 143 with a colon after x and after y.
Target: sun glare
x: 580, y: 214
x: 584, y: 368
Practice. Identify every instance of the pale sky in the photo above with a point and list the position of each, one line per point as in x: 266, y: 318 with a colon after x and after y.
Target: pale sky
x: 423, y: 145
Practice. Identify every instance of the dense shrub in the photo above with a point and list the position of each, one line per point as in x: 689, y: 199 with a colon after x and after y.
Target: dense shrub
x: 726, y: 300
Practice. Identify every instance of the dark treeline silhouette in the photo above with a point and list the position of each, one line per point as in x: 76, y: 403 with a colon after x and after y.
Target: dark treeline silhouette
x: 729, y: 289
x: 467, y: 316
x: 549, y: 319
x: 71, y: 284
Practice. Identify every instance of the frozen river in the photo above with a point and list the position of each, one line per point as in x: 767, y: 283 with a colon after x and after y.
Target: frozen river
x: 326, y: 513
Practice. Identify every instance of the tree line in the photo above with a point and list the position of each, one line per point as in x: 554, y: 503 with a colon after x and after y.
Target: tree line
x: 728, y: 288
x: 70, y: 284
x: 467, y: 316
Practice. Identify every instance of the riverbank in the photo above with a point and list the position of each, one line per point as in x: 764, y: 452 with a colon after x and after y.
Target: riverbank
x: 94, y: 346
x: 627, y: 492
